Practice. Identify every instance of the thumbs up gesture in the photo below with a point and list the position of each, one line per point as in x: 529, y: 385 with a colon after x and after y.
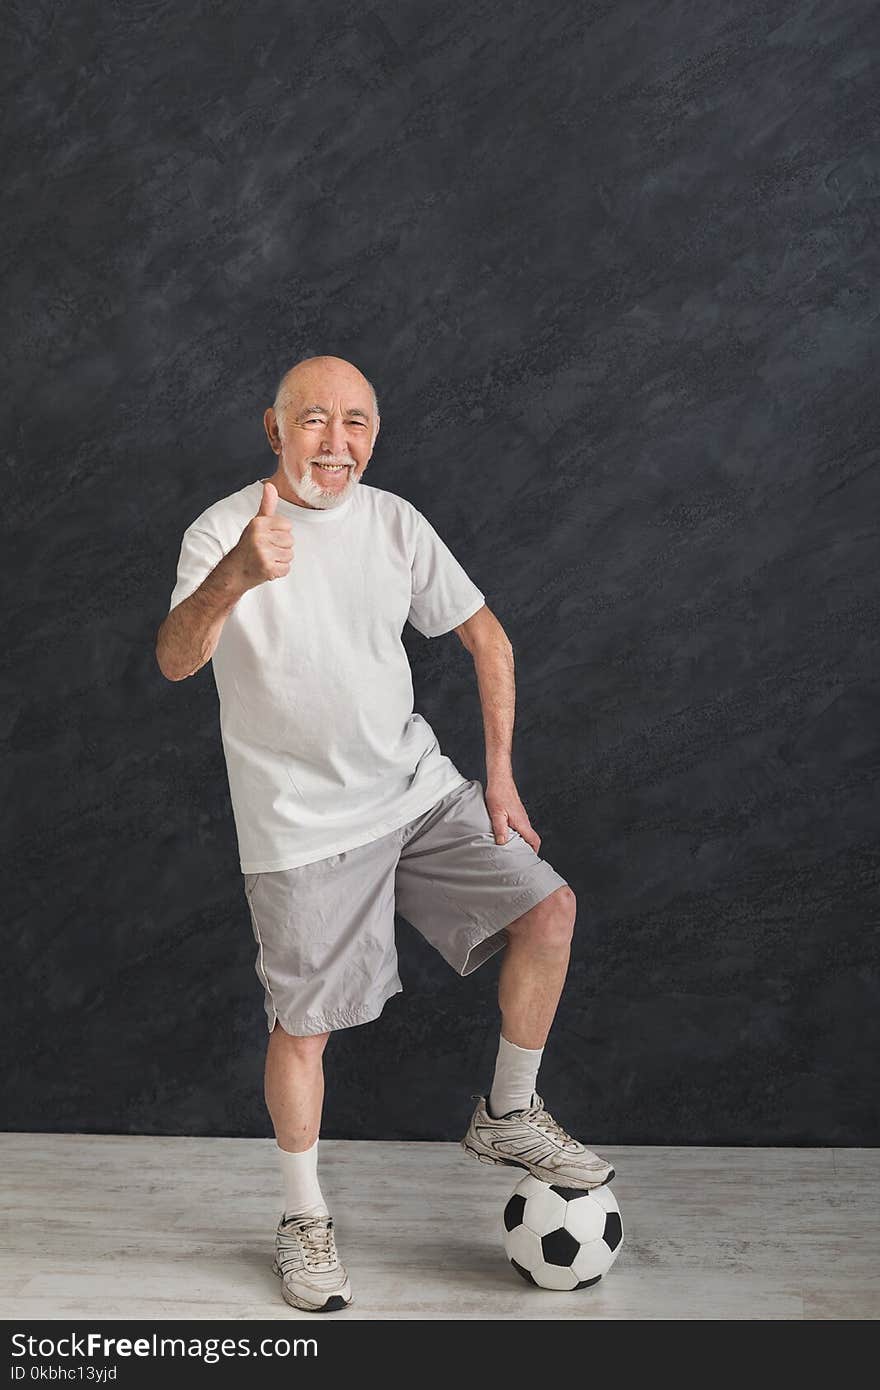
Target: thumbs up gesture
x: 265, y: 547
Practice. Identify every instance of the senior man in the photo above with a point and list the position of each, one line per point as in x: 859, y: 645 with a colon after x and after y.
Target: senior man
x: 298, y: 587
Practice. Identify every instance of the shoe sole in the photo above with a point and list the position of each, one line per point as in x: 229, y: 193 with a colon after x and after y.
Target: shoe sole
x: 559, y: 1180
x: 332, y: 1304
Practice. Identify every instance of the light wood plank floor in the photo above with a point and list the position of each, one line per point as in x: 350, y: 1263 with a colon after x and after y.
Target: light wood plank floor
x: 153, y: 1227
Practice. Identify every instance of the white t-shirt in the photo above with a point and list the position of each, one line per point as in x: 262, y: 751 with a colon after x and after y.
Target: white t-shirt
x: 323, y: 750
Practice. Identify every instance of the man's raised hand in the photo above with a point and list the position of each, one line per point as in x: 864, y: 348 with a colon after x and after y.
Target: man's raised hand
x: 265, y: 547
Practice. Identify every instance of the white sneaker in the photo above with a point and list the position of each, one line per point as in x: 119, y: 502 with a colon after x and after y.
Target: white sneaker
x: 532, y: 1139
x: 313, y: 1277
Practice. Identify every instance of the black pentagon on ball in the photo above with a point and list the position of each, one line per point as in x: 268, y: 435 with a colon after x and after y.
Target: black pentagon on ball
x: 613, y: 1230
x: 513, y: 1212
x: 585, y: 1283
x: 560, y: 1247
x: 525, y: 1274
x: 569, y: 1194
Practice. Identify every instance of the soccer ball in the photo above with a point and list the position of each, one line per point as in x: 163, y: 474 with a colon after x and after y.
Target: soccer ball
x: 561, y: 1237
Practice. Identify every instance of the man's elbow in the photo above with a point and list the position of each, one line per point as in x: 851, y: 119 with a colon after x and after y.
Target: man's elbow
x: 167, y: 671
x: 482, y: 630
x: 169, y: 675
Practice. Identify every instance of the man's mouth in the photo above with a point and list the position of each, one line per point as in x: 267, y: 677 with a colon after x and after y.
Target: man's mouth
x: 331, y: 467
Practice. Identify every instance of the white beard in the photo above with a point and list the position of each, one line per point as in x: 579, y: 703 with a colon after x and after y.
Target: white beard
x: 309, y: 490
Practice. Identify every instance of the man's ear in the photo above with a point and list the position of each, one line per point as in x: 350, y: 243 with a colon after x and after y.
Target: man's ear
x: 375, y: 431
x: 270, y: 424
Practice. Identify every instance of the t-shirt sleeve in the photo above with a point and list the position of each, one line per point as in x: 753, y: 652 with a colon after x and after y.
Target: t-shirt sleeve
x: 200, y: 552
x: 443, y: 595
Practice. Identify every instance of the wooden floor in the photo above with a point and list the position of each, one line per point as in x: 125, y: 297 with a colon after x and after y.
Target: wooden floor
x: 147, y: 1227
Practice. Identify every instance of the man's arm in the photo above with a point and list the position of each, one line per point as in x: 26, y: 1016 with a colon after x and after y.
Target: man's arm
x: 492, y: 653
x: 191, y: 631
x: 189, y: 634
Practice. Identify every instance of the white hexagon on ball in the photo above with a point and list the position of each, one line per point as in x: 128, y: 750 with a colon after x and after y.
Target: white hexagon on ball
x: 524, y: 1246
x: 554, y: 1277
x: 584, y: 1218
x: 592, y: 1260
x: 545, y: 1210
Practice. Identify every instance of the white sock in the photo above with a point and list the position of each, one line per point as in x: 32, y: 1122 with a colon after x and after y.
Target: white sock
x: 299, y: 1175
x: 516, y: 1071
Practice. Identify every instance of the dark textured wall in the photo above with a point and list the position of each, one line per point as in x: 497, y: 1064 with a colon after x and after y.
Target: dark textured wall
x: 613, y: 270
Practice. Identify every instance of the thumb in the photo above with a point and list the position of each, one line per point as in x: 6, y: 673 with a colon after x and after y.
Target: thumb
x: 500, y: 830
x: 268, y: 501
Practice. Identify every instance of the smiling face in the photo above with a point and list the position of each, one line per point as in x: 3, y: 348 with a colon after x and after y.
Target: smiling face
x: 322, y: 427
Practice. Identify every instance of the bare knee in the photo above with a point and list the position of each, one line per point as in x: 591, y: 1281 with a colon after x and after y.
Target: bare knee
x: 561, y: 910
x: 308, y: 1046
x: 566, y: 903
x: 549, y: 925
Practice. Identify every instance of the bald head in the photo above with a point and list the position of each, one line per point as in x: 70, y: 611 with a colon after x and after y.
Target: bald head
x: 310, y: 370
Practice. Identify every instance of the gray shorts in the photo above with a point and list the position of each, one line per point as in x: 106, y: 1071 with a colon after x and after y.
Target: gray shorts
x: 326, y: 952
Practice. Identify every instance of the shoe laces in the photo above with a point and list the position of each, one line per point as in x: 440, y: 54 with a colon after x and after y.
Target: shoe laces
x: 545, y: 1122
x: 314, y: 1236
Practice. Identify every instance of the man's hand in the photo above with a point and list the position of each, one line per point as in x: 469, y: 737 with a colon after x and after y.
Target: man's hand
x: 505, y: 809
x: 265, y: 547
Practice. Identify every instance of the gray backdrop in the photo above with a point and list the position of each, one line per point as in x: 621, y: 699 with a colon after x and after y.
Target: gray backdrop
x: 613, y: 271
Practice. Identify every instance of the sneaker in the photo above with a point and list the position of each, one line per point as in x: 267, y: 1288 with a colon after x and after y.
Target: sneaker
x: 313, y: 1277
x: 532, y: 1139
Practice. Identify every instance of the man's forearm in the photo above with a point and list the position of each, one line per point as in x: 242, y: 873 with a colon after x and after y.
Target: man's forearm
x: 190, y: 633
x: 495, y: 678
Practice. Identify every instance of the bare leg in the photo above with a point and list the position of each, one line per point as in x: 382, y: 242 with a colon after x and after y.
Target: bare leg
x: 534, y: 965
x: 294, y: 1087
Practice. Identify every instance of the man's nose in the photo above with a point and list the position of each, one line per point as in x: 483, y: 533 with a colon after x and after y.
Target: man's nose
x: 335, y: 439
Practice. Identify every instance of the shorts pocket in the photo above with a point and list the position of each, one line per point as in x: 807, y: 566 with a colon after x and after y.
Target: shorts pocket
x: 509, y: 846
x: 250, y: 883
